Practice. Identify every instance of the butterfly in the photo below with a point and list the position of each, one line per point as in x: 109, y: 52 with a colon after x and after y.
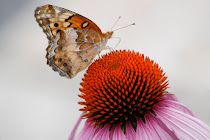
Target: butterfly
x: 74, y: 40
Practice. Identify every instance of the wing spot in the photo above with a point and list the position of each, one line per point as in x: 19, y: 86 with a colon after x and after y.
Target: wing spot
x: 59, y: 60
x: 56, y: 24
x: 69, y: 24
x: 66, y: 20
x: 66, y: 24
x: 85, y: 24
x: 58, y: 30
x: 64, y: 64
x: 68, y: 13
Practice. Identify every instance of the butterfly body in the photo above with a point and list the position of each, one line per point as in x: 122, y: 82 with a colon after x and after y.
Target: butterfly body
x: 74, y: 40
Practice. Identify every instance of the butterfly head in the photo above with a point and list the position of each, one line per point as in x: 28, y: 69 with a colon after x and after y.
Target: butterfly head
x: 105, y: 38
x: 107, y: 35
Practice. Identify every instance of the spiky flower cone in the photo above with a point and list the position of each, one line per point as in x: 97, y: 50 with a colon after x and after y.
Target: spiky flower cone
x: 121, y: 87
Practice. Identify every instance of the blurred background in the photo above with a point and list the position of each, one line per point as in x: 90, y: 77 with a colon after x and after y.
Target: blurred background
x: 37, y: 104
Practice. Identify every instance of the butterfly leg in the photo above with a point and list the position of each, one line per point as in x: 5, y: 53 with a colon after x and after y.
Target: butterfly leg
x: 110, y: 48
x: 98, y: 56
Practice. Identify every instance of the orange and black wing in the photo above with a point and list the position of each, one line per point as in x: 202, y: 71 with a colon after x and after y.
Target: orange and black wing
x: 54, y: 19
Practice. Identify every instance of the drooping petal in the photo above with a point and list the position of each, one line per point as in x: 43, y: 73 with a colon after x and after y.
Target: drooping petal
x: 151, y: 130
x: 130, y: 133
x: 177, y: 106
x: 118, y: 133
x: 184, y: 126
x: 71, y: 137
x: 87, y: 131
x: 103, y: 134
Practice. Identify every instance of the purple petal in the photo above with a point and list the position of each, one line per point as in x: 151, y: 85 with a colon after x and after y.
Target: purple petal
x: 96, y: 131
x: 71, y: 137
x: 112, y: 132
x: 184, y: 126
x: 177, y: 106
x: 130, y: 133
x: 151, y: 130
x: 165, y: 129
x: 87, y: 131
x: 118, y: 133
x: 143, y: 131
x: 103, y: 134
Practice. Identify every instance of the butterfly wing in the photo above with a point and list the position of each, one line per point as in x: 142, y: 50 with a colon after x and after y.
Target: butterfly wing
x: 72, y: 51
x: 73, y: 39
x: 53, y: 19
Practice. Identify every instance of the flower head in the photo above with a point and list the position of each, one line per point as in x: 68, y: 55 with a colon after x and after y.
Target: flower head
x: 125, y: 99
x: 120, y: 87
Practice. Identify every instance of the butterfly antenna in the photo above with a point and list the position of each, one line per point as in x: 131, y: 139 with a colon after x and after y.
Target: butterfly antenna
x: 124, y: 27
x: 115, y: 22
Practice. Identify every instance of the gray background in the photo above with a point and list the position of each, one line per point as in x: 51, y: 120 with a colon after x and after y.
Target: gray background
x: 37, y: 104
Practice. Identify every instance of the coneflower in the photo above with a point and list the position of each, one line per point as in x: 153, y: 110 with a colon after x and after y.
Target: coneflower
x: 125, y: 98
